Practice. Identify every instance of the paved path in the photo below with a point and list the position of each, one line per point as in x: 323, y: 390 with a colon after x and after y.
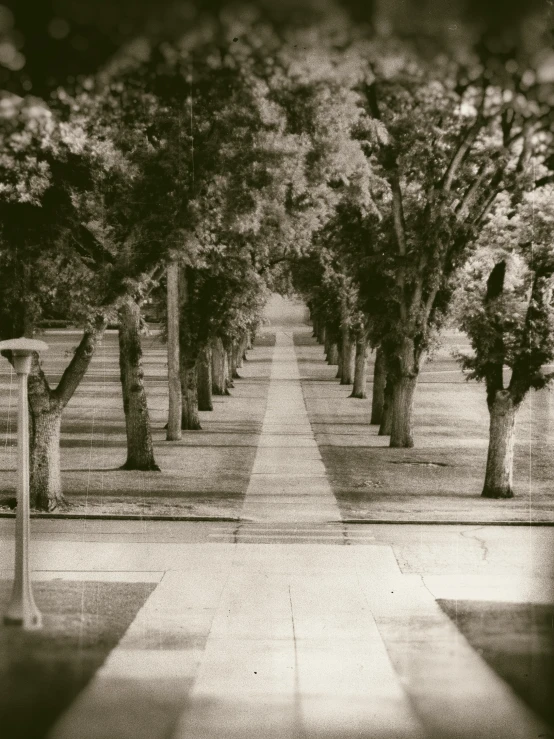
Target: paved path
x: 288, y: 482
x: 297, y: 638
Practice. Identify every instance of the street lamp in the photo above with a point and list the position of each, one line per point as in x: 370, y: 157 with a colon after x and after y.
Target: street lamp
x: 22, y: 610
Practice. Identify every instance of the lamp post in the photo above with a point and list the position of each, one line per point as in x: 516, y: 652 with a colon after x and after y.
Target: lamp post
x: 22, y: 610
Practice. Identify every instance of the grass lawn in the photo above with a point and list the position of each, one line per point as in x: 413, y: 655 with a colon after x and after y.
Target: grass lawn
x: 41, y: 672
x: 204, y: 474
x: 516, y: 640
x: 442, y: 477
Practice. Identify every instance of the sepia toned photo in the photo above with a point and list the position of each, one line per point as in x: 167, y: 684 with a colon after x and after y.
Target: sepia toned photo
x: 277, y: 369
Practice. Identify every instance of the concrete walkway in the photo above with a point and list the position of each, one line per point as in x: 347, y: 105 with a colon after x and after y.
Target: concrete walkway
x: 290, y: 640
x: 288, y: 480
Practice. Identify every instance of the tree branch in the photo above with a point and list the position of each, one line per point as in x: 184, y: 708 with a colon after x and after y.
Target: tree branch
x: 80, y: 362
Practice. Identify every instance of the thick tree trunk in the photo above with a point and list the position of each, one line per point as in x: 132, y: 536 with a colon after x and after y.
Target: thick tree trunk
x: 190, y: 420
x: 219, y: 370
x: 401, y: 433
x: 405, y: 382
x: 500, y: 457
x: 360, y: 370
x: 333, y: 354
x: 140, y: 449
x: 348, y: 351
x: 205, y: 380
x: 173, y: 372
x: 379, y: 382
x: 386, y: 418
x: 45, y: 472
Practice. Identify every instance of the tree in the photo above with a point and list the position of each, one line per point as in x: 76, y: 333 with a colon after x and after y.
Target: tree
x: 505, y: 306
x: 46, y: 255
x: 445, y: 143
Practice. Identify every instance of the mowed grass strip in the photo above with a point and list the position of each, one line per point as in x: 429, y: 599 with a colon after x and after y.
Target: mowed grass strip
x: 442, y: 477
x: 517, y: 641
x: 41, y: 672
x: 204, y: 474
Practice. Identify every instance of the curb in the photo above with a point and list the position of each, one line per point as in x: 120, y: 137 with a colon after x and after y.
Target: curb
x: 390, y: 522
x: 229, y: 519
x: 123, y: 517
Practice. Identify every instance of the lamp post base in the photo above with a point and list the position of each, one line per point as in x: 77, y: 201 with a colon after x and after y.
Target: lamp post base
x: 24, y: 614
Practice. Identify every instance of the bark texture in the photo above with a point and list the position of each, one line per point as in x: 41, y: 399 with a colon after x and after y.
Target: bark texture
x: 205, y: 380
x: 405, y: 375
x: 360, y: 368
x: 140, y: 449
x: 379, y: 382
x: 219, y: 369
x: 190, y: 420
x: 500, y: 457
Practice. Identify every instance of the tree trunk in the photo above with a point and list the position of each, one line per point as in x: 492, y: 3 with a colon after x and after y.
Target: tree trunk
x: 339, y: 362
x: 219, y: 370
x: 405, y: 374
x: 315, y: 326
x: 140, y: 450
x: 232, y: 360
x: 348, y: 357
x: 333, y: 355
x: 321, y: 333
x: 190, y: 420
x: 173, y: 372
x: 500, y: 457
x: 205, y: 380
x: 386, y: 419
x: 379, y: 382
x: 45, y: 472
x: 237, y: 353
x: 360, y: 371
x: 401, y: 433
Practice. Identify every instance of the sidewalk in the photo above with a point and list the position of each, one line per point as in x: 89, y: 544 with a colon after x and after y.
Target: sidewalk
x: 286, y: 640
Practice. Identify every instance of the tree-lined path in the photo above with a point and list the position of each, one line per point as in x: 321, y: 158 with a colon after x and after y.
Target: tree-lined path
x: 271, y: 629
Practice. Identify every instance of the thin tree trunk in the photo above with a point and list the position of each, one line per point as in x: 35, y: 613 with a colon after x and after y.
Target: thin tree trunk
x: 348, y: 357
x: 205, y: 380
x: 360, y: 370
x: 45, y: 472
x: 379, y: 382
x: 386, y: 419
x: 500, y: 457
x: 238, y: 352
x: 140, y: 449
x: 232, y: 359
x: 339, y: 362
x: 190, y: 420
x: 321, y: 333
x: 173, y: 371
x: 333, y: 355
x: 219, y: 371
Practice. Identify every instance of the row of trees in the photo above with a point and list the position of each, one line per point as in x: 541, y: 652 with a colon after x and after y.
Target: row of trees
x: 248, y: 154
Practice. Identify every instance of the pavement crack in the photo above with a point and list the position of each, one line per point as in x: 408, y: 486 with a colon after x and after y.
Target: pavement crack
x: 482, y: 543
